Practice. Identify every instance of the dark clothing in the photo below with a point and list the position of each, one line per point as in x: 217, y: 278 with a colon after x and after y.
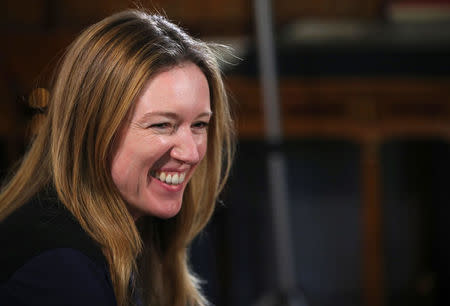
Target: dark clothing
x: 47, y: 258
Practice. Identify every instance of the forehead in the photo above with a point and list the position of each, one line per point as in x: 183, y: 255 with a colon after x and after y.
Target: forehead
x: 180, y: 88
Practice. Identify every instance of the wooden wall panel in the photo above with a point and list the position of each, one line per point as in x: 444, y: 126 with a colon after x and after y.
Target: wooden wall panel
x: 214, y: 17
x: 30, y: 58
x: 288, y: 11
x: 82, y: 12
x: 349, y: 108
x: 19, y: 14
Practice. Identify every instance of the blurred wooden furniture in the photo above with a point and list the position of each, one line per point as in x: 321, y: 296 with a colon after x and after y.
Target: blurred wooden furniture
x: 367, y: 111
x: 356, y: 109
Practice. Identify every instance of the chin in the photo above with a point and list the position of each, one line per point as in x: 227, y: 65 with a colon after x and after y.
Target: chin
x: 158, y: 206
x: 164, y: 209
x: 167, y: 214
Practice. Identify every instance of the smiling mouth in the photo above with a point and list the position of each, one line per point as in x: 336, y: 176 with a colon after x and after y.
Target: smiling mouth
x: 170, y: 178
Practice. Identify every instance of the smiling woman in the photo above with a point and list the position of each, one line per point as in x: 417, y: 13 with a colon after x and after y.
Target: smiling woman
x: 165, y: 140
x: 122, y: 174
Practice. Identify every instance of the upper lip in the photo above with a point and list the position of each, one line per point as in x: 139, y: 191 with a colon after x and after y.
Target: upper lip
x: 173, y: 170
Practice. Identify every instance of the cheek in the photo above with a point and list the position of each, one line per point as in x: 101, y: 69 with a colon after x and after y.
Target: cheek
x: 143, y: 149
x: 129, y: 158
x: 120, y: 167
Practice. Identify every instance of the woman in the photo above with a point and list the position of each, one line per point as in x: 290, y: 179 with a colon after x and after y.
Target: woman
x: 122, y: 175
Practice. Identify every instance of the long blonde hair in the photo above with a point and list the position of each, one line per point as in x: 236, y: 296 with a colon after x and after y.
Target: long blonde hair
x: 99, y: 78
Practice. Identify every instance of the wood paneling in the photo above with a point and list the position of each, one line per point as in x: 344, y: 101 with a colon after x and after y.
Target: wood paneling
x: 289, y: 11
x: 351, y: 108
x: 82, y: 12
x: 373, y: 261
x: 29, y: 58
x: 21, y: 14
x: 213, y: 17
x: 366, y: 111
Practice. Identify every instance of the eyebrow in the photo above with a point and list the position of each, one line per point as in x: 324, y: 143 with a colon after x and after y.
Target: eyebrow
x: 170, y: 115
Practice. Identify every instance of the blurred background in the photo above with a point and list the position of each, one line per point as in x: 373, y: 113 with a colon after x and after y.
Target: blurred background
x: 364, y: 92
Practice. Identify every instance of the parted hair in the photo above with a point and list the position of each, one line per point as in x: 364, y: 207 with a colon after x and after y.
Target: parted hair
x: 95, y: 88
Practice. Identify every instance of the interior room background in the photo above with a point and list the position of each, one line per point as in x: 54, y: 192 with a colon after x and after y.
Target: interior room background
x: 364, y: 90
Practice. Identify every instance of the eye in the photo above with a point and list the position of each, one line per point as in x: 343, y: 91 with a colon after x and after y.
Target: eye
x: 200, y: 126
x: 162, y: 126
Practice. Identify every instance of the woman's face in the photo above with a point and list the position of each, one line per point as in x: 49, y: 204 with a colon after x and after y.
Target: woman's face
x: 164, y: 141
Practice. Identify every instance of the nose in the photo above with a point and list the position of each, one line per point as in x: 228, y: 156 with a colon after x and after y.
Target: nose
x: 185, y: 148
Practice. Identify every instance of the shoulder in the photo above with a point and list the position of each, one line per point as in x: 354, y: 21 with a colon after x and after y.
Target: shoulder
x: 59, y: 277
x: 38, y: 226
x: 48, y: 259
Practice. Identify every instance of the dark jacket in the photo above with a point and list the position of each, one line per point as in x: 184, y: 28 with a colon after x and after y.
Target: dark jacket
x: 46, y: 258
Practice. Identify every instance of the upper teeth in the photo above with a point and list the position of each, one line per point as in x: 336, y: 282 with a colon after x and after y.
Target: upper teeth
x: 170, y: 178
